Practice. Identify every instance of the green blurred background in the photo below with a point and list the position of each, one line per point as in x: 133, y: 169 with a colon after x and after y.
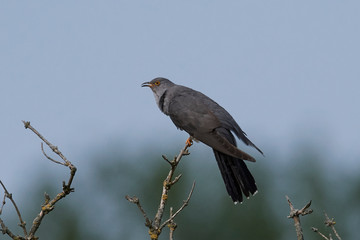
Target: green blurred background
x: 98, y: 210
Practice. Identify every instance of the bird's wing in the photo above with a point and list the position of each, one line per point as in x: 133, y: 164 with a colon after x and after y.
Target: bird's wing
x: 228, y: 122
x: 217, y: 141
x: 190, y: 111
x: 199, y: 103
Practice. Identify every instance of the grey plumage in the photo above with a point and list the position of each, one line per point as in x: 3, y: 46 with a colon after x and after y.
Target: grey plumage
x: 208, y: 122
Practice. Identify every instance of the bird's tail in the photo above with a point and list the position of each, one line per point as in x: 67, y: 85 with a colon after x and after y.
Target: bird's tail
x: 237, y: 177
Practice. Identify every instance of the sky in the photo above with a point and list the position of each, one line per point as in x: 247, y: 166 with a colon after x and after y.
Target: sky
x: 287, y: 71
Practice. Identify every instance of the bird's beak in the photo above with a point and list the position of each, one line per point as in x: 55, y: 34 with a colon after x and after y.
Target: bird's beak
x: 147, y: 84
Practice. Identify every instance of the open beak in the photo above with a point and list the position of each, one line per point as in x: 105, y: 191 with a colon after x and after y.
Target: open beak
x: 147, y: 84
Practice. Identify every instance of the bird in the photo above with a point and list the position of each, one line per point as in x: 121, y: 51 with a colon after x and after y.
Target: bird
x: 206, y: 121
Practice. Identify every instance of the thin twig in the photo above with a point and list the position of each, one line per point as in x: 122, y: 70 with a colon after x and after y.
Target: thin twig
x: 49, y: 205
x: 3, y: 203
x: 186, y: 202
x: 167, y: 185
x: 53, y: 160
x: 165, y: 158
x: 155, y: 226
x: 9, y: 196
x: 55, y: 149
x: 137, y: 202
x: 6, y: 230
x: 295, y: 214
x: 328, y: 223
x: 331, y: 223
x: 172, y: 225
x: 317, y: 231
x: 176, y: 179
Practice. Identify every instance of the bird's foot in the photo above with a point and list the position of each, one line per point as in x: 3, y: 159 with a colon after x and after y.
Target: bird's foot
x: 189, y: 141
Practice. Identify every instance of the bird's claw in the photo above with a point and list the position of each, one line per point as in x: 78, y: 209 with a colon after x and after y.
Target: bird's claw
x: 189, y: 141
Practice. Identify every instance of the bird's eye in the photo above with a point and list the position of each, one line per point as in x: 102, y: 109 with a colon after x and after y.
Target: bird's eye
x: 157, y: 83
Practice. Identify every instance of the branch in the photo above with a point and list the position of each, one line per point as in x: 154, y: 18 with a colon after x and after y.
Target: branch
x: 295, y: 214
x: 137, y: 202
x: 167, y: 184
x: 49, y: 205
x: 5, y: 230
x: 9, y: 196
x: 172, y: 225
x: 186, y: 202
x: 43, y: 151
x: 3, y: 201
x: 322, y: 235
x: 329, y: 223
x: 155, y: 226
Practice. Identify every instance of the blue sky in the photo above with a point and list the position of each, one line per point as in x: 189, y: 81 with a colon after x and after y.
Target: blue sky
x: 288, y: 72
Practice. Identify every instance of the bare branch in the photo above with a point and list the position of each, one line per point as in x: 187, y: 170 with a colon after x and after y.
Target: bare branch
x: 176, y: 179
x: 322, y: 235
x: 3, y: 202
x: 136, y: 201
x: 166, y: 186
x: 172, y: 225
x: 42, y: 149
x: 52, y: 147
x: 155, y: 226
x: 295, y: 214
x: 186, y: 202
x: 166, y: 159
x: 331, y: 223
x: 49, y: 205
x: 9, y: 196
x: 5, y: 230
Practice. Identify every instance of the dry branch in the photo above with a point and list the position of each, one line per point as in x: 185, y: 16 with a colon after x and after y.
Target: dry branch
x: 295, y: 214
x: 328, y: 223
x: 9, y: 196
x: 331, y: 223
x: 186, y: 202
x: 322, y: 235
x: 49, y: 204
x: 155, y: 226
x: 172, y: 225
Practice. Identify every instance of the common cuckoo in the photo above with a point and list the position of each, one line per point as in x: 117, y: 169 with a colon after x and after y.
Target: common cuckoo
x: 208, y: 122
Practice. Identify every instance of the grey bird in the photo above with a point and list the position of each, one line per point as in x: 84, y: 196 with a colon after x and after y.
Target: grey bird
x: 208, y: 122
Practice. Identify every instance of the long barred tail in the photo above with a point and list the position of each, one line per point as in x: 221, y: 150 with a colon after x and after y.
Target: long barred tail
x: 237, y: 177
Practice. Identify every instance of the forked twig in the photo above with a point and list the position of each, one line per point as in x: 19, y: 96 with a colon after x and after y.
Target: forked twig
x: 295, y: 214
x: 53, y: 160
x: 186, y: 202
x: 137, y: 202
x: 329, y: 223
x: 22, y: 222
x: 322, y: 235
x: 172, y: 225
x: 167, y: 184
x: 49, y: 204
x: 155, y: 226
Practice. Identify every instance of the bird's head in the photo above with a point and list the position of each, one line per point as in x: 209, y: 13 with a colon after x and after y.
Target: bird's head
x: 158, y: 86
